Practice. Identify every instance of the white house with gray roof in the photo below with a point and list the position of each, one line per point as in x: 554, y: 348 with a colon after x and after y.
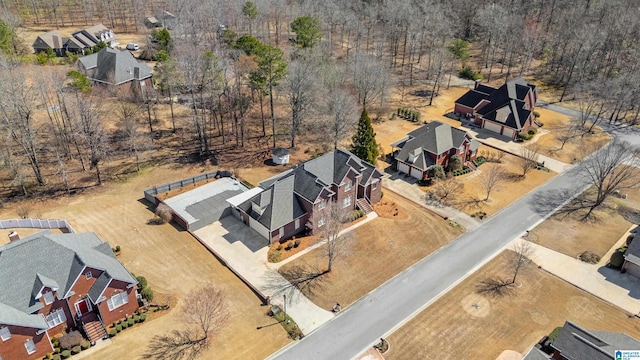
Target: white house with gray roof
x: 293, y: 201
x: 52, y: 282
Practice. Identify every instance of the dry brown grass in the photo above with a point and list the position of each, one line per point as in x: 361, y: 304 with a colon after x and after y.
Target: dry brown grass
x: 470, y: 200
x: 173, y: 262
x: 453, y: 326
x: 567, y: 232
x: 574, y: 150
x: 383, y: 248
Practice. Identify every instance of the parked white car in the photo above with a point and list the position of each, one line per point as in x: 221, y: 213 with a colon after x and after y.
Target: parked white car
x: 133, y: 46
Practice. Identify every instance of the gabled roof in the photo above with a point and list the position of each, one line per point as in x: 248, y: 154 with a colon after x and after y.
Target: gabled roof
x: 52, y: 39
x: 90, y: 36
x: 508, y: 100
x: 433, y: 138
x: 472, y: 98
x: 54, y: 261
x: 575, y: 342
x: 332, y: 167
x: 116, y: 67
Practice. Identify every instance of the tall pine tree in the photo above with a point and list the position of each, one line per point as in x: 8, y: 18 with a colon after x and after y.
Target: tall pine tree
x: 364, y: 141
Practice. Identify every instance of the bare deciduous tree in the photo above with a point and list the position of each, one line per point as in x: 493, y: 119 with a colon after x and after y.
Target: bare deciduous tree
x: 343, y: 113
x: 492, y: 176
x: 299, y: 89
x: 528, y: 158
x: 614, y: 167
x: 444, y: 191
x: 205, y: 312
x: 332, y: 218
x: 520, y: 258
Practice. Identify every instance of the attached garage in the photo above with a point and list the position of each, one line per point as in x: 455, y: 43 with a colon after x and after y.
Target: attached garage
x: 493, y: 127
x: 509, y: 132
x: 416, y: 173
x: 259, y: 228
x: 402, y: 167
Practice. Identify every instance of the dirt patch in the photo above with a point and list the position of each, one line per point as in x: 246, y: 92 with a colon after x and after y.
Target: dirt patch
x: 280, y: 251
x: 514, y: 322
x: 389, y: 209
x: 382, y: 248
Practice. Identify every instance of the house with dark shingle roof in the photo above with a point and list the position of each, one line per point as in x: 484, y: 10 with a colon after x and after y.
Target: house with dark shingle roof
x: 506, y: 110
x: 59, y: 44
x: 293, y: 201
x: 576, y: 343
x: 632, y: 257
x: 432, y: 144
x: 91, y: 36
x: 52, y: 282
x: 116, y: 68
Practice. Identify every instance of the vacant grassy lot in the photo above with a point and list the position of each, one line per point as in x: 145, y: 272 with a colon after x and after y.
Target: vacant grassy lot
x: 464, y: 324
x: 173, y: 262
x: 568, y: 233
x: 381, y: 249
x: 576, y: 148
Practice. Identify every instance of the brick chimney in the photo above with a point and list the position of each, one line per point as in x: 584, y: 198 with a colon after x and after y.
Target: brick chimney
x: 13, y: 236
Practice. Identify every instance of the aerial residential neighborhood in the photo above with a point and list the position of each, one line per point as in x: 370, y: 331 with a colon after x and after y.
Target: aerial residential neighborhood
x: 319, y: 180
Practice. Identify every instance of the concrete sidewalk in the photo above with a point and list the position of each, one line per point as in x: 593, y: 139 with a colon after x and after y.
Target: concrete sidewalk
x: 401, y: 185
x: 610, y: 285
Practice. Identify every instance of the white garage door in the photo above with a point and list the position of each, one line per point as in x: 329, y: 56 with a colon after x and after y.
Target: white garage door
x: 633, y: 269
x: 255, y: 225
x: 402, y: 167
x: 416, y: 173
x: 492, y: 126
x: 509, y: 132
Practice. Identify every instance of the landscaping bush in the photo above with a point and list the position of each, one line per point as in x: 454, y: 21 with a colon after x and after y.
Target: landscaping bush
x: 49, y: 356
x: 56, y: 357
x: 70, y: 340
x: 131, y: 322
x: 142, y: 282
x: 524, y: 136
x: 589, y: 257
x: 437, y: 172
x: 76, y: 350
x: 296, y: 243
x: 84, y: 345
x: 164, y: 213
x: 479, y: 161
x: 143, y: 317
x: 464, y: 170
x: 468, y: 73
x: 118, y: 328
x: 274, y: 256
x: 65, y: 354
x: 289, y: 246
x: 617, y: 259
x: 532, y: 131
x: 536, y: 114
x: 136, y: 318
x: 124, y: 325
x: 147, y: 294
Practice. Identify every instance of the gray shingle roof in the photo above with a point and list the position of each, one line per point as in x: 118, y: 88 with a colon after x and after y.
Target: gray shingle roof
x: 54, y: 260
x: 90, y: 36
x: 278, y: 202
x: 433, y: 138
x: 575, y: 342
x: 52, y: 39
x: 89, y: 62
x: 116, y: 67
x: 98, y: 287
x: 12, y: 316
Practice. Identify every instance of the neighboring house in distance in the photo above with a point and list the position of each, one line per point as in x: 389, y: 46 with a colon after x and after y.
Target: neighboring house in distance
x: 632, y: 257
x: 52, y: 282
x: 506, y: 110
x: 161, y: 19
x: 432, y: 144
x: 91, y: 36
x: 293, y: 201
x: 575, y: 342
x: 58, y: 43
x: 116, y: 68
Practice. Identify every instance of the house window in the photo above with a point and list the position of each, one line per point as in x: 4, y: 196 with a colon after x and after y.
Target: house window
x: 117, y: 300
x: 88, y: 275
x: 348, y: 186
x: 374, y: 185
x: 323, y: 204
x: 30, y: 346
x: 56, y: 317
x: 297, y: 224
x: 346, y: 202
x: 5, y: 334
x: 321, y: 222
x: 48, y: 297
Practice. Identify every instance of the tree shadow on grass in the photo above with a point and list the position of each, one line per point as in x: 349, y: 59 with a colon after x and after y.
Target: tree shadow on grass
x: 548, y: 201
x: 307, y: 278
x: 495, y: 287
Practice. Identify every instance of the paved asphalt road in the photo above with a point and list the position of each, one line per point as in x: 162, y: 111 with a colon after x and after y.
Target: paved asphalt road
x: 386, y: 308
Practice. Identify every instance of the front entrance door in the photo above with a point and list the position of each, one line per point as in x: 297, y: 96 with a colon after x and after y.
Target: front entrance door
x: 83, y: 307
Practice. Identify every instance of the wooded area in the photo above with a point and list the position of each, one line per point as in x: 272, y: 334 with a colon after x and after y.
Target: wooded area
x: 256, y: 75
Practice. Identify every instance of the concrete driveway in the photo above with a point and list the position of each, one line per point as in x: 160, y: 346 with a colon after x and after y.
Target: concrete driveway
x: 245, y: 252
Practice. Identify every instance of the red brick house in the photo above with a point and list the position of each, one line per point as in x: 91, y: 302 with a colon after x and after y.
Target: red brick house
x: 54, y: 282
x: 506, y: 110
x: 432, y: 144
x: 292, y: 202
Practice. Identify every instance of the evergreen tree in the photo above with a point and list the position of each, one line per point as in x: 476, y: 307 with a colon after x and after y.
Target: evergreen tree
x: 364, y: 141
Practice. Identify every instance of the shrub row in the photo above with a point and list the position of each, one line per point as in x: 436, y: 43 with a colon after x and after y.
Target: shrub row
x: 354, y: 215
x: 532, y: 131
x: 65, y: 354
x: 524, y: 136
x: 409, y: 114
x: 127, y: 322
x: 479, y: 161
x: 464, y: 170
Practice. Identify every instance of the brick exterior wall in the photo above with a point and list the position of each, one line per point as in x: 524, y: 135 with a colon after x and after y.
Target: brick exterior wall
x: 56, y: 304
x: 81, y: 288
x: 118, y: 313
x: 375, y: 194
x: 462, y: 109
x: 14, y: 349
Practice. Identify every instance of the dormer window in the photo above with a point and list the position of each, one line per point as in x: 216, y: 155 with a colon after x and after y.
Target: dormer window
x: 347, y: 187
x: 48, y: 297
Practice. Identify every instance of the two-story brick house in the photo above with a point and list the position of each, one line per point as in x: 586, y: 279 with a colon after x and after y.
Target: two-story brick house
x: 54, y: 282
x: 432, y: 144
x: 292, y: 202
